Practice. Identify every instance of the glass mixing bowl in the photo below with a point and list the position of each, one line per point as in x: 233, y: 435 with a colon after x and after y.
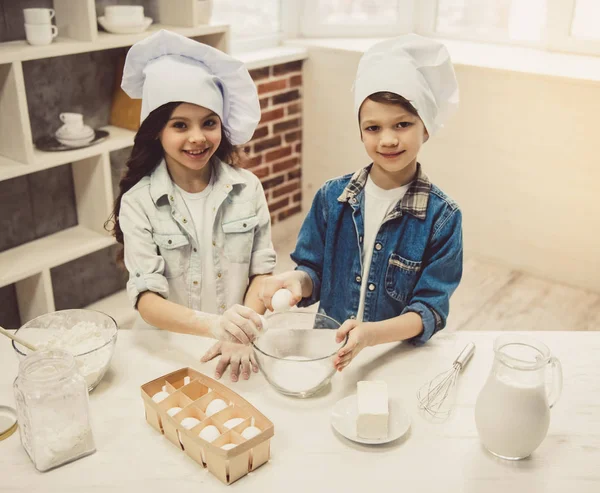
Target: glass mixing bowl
x: 88, y: 335
x: 296, y: 351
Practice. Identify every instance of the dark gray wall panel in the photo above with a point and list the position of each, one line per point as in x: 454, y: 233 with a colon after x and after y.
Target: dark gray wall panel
x: 9, y: 310
x: 88, y: 279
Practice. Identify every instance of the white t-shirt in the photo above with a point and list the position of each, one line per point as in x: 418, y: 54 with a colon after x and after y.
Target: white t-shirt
x: 202, y: 216
x: 378, y: 203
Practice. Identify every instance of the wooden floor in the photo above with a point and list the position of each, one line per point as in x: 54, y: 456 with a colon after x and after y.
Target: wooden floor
x: 492, y: 297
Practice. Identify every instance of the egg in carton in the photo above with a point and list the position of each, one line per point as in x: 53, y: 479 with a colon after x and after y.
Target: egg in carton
x: 215, y: 426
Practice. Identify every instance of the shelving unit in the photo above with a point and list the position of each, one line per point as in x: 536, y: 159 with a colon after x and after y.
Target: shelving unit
x: 28, y: 266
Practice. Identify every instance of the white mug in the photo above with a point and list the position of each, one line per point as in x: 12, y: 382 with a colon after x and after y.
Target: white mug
x: 38, y: 16
x: 40, y: 34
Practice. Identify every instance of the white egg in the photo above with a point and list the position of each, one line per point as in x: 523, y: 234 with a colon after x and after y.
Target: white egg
x: 173, y: 411
x: 233, y: 422
x: 281, y: 300
x: 228, y: 446
x: 189, y: 422
x: 250, y: 432
x: 209, y: 433
x: 160, y: 396
x: 215, y: 406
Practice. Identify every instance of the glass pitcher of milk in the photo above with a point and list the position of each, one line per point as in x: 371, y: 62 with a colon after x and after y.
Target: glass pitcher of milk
x: 512, y: 412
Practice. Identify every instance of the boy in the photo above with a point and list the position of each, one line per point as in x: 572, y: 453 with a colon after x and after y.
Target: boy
x: 382, y: 248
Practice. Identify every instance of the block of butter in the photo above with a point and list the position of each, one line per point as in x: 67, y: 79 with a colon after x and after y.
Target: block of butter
x: 373, y: 413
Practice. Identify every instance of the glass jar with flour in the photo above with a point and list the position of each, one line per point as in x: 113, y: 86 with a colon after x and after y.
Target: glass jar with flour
x: 52, y: 408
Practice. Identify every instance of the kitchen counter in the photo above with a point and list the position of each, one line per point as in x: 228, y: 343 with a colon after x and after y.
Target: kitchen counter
x: 307, y: 454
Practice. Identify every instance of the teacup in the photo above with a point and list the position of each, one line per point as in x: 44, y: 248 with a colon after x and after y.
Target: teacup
x: 40, y: 34
x: 131, y: 15
x: 73, y: 127
x: 38, y: 16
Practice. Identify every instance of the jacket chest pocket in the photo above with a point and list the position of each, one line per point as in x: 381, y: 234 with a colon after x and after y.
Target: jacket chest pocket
x: 401, y: 277
x: 239, y: 236
x: 175, y: 249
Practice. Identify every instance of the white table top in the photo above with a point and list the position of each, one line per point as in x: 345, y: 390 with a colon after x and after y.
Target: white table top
x: 307, y: 455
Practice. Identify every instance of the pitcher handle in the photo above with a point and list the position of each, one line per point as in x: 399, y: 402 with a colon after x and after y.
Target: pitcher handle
x: 557, y: 381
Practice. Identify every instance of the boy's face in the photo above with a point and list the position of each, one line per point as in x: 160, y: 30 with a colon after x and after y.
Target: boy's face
x: 190, y: 137
x: 392, y: 137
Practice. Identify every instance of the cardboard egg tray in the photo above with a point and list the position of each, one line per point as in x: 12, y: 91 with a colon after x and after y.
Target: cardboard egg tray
x: 192, y: 391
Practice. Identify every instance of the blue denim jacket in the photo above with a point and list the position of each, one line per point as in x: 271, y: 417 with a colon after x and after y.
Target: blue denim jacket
x: 417, y: 256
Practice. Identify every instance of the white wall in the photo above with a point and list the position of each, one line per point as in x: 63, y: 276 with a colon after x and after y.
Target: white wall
x: 520, y: 157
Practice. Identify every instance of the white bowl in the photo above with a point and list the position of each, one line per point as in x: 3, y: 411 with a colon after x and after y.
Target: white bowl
x: 114, y: 28
x: 80, y: 141
x: 63, y: 133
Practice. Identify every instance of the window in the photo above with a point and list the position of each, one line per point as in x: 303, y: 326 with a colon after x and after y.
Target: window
x: 586, y: 20
x: 497, y: 20
x: 254, y: 24
x: 322, y: 18
x: 357, y: 11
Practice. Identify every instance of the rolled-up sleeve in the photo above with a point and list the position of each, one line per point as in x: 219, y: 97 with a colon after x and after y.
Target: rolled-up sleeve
x: 310, y: 247
x: 263, y: 258
x: 439, y: 279
x: 145, y: 266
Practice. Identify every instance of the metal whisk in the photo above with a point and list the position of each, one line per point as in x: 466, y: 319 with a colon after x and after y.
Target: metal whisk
x: 435, y: 397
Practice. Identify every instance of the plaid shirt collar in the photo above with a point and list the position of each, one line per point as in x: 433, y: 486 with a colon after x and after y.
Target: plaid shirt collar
x: 414, y: 202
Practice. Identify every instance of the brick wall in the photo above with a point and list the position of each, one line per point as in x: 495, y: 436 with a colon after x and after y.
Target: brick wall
x: 274, y: 153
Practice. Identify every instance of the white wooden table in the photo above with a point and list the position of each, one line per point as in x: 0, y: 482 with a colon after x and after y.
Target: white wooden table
x: 307, y: 455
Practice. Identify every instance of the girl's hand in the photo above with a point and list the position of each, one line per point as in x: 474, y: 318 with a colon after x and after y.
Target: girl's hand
x: 357, y: 340
x: 238, y: 324
x: 238, y: 356
x: 272, y: 284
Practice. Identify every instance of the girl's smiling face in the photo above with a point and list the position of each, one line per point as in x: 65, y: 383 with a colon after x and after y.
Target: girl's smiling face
x: 392, y: 138
x: 190, y: 138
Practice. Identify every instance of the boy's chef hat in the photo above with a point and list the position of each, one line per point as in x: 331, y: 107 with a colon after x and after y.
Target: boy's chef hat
x: 416, y: 68
x: 168, y: 67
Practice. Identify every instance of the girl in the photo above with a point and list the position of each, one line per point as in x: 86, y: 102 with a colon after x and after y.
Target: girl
x: 382, y: 248
x: 195, y: 229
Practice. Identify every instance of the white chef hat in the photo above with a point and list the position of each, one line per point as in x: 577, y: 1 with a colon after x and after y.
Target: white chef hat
x: 414, y: 67
x: 168, y: 67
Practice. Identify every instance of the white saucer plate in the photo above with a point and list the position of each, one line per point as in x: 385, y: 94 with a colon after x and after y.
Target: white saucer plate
x: 345, y: 413
x: 123, y: 28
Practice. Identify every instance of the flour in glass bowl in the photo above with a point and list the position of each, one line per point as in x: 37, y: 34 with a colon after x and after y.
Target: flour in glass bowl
x: 80, y: 339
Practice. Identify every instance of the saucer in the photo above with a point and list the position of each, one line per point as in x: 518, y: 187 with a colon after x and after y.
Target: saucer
x: 123, y: 28
x: 50, y: 143
x: 345, y: 413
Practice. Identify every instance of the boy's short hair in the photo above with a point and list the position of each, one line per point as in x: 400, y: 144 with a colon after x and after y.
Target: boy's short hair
x: 386, y: 97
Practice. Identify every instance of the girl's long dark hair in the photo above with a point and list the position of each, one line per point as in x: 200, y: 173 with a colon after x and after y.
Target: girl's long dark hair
x: 145, y: 156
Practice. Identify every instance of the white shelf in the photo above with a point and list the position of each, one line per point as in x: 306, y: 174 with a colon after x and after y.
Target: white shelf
x: 118, y: 307
x: 21, y: 51
x: 31, y: 258
x: 119, y: 138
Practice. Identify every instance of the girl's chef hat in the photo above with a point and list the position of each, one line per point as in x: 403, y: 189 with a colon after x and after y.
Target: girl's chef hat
x: 416, y: 68
x: 167, y: 67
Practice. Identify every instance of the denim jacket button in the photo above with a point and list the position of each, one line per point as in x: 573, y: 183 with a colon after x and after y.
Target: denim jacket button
x: 358, y: 278
x: 378, y: 246
x: 352, y: 317
x: 371, y: 287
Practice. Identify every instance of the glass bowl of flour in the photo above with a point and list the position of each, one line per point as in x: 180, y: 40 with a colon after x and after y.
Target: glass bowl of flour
x: 296, y: 351
x: 90, y: 336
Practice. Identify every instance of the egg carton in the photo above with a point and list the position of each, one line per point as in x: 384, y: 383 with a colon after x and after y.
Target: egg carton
x: 193, y: 391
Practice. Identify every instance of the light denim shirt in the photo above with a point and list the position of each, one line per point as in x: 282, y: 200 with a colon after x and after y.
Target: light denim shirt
x: 417, y: 256
x: 161, y: 244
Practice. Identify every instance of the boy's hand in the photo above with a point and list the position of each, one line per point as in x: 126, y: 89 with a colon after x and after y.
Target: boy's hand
x: 358, y: 339
x: 272, y: 284
x: 238, y: 356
